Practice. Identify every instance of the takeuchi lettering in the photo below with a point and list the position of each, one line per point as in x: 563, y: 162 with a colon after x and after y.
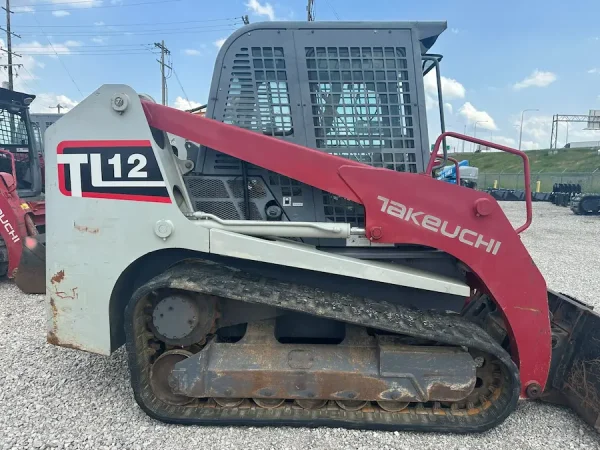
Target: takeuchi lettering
x: 437, y: 225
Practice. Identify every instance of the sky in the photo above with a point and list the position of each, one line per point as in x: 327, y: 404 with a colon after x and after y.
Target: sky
x: 500, y: 58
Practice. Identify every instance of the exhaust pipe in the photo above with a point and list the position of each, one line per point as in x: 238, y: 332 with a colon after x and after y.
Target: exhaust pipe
x: 31, y: 273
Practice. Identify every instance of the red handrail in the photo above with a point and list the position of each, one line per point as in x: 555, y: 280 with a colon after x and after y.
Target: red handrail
x: 456, y: 167
x: 526, y: 170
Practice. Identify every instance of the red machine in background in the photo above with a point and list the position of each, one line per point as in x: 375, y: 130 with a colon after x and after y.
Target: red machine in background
x: 22, y: 204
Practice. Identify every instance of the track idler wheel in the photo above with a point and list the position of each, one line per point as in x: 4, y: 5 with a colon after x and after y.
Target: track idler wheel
x: 183, y: 319
x: 159, y: 377
x: 228, y: 402
x: 311, y: 404
x: 351, y: 405
x: 392, y: 406
x: 269, y: 403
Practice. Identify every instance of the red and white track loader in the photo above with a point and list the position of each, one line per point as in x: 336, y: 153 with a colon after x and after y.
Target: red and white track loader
x: 302, y: 266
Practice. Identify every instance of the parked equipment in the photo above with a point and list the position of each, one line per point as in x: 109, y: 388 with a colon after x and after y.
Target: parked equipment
x: 279, y: 279
x: 585, y: 204
x: 468, y: 175
x: 563, y: 192
x: 22, y: 208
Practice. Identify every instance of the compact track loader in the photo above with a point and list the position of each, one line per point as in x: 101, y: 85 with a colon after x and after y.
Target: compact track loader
x: 585, y: 204
x: 301, y: 266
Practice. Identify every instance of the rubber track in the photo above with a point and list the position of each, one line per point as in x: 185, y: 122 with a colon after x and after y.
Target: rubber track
x: 227, y: 282
x: 579, y: 199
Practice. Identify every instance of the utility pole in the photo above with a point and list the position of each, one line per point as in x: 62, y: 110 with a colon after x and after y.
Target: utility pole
x: 9, y: 35
x: 310, y: 11
x: 463, y: 142
x: 163, y: 51
x: 58, y: 107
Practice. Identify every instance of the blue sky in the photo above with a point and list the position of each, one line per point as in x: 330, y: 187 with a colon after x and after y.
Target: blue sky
x: 499, y: 57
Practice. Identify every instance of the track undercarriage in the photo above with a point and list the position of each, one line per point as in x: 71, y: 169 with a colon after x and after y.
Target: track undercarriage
x: 586, y: 204
x: 374, y: 364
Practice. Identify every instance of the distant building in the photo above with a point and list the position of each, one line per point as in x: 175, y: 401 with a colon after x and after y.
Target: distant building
x: 40, y: 123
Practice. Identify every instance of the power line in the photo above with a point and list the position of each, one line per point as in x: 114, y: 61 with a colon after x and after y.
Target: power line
x: 58, y: 57
x: 137, y: 24
x: 159, y: 2
x: 141, y: 32
x: 182, y: 90
x: 333, y: 9
x: 100, y: 46
x: 31, y: 75
x: 86, y: 54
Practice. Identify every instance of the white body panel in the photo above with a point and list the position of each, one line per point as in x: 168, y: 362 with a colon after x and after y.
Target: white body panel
x: 303, y: 256
x: 92, y: 241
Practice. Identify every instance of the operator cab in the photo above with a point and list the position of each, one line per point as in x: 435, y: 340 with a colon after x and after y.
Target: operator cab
x: 17, y: 142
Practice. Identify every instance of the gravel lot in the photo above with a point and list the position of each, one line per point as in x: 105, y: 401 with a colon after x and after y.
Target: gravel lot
x: 57, y: 398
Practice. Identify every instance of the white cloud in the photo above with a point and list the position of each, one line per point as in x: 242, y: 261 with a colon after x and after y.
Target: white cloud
x: 537, y: 130
x: 191, y: 52
x: 594, y: 70
x: 35, y: 47
x: 61, y: 13
x: 116, y: 2
x: 469, y: 112
x: 99, y: 39
x: 531, y: 145
x: 537, y: 79
x: 80, y: 3
x: 44, y: 102
x: 536, y: 127
x: 455, y: 30
x: 22, y: 9
x: 503, y: 140
x: 183, y: 104
x: 261, y: 9
x: 219, y: 42
x: 99, y: 24
x: 449, y: 108
x: 451, y: 89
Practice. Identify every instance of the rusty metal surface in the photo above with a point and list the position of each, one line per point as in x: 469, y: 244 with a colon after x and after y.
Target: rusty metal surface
x: 223, y: 281
x: 362, y: 367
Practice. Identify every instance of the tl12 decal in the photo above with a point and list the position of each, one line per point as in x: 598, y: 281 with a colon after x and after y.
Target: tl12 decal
x: 121, y: 170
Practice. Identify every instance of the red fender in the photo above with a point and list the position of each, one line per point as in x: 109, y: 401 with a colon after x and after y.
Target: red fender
x: 507, y: 272
x: 470, y: 225
x: 12, y: 228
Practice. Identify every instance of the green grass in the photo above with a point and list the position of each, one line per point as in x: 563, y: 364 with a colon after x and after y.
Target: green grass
x: 567, y: 166
x: 568, y: 160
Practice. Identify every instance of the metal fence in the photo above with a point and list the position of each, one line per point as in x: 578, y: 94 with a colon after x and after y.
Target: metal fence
x: 589, y: 181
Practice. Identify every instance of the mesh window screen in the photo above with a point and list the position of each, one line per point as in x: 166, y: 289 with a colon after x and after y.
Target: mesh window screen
x: 360, y: 97
x: 12, y: 129
x: 258, y: 96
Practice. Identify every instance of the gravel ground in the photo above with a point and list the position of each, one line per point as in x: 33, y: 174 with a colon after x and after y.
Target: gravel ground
x: 58, y: 398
